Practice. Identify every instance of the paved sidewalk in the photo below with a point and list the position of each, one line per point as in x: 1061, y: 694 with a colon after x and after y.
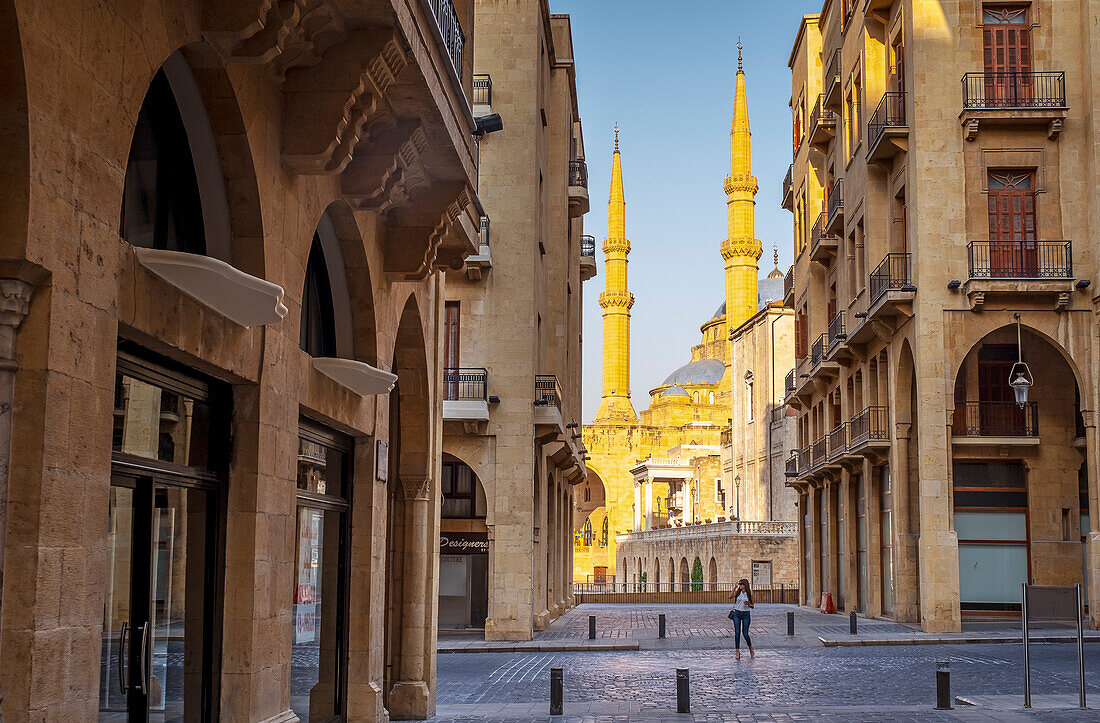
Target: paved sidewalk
x: 705, y: 627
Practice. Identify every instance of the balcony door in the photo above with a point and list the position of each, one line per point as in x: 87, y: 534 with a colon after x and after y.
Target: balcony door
x: 999, y: 415
x: 1006, y: 36
x: 1013, y: 252
x: 451, y: 317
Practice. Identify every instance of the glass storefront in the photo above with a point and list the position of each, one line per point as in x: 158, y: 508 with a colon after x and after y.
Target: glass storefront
x: 319, y: 636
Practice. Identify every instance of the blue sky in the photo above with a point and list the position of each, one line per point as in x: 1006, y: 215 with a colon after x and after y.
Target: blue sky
x: 665, y: 73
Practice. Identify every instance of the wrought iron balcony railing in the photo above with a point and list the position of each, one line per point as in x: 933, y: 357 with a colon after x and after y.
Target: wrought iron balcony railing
x: 838, y: 440
x: 893, y: 273
x: 588, y: 246
x: 483, y: 90
x: 1019, y: 89
x: 832, y: 74
x: 817, y: 351
x: 821, y: 116
x: 484, y: 235
x: 465, y: 384
x: 788, y: 282
x: 547, y: 391
x: 726, y: 437
x: 793, y: 467
x: 1020, y: 259
x: 789, y: 382
x: 995, y: 419
x: 578, y: 173
x: 836, y: 199
x: 836, y: 330
x: 818, y: 452
x: 820, y: 231
x: 890, y: 113
x: 870, y: 424
x: 446, y: 19
x: 785, y: 201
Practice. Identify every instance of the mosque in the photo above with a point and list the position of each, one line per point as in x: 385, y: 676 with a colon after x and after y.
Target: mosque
x: 683, y: 461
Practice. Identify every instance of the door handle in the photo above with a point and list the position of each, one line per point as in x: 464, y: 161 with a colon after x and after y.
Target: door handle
x: 144, y: 662
x: 121, y: 661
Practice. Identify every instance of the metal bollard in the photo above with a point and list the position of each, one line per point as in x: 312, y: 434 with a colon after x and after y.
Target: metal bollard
x: 790, y: 623
x: 943, y: 685
x: 555, y: 691
x: 591, y: 627
x: 683, y: 691
x: 661, y: 625
x: 852, y: 623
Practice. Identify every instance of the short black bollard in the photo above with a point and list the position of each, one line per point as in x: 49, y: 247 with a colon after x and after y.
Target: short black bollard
x: 790, y: 623
x: 661, y: 625
x: 852, y: 623
x: 683, y: 692
x: 943, y: 685
x: 555, y: 691
x: 591, y: 627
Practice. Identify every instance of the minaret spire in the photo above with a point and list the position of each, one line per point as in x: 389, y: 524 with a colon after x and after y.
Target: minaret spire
x: 741, y: 250
x: 616, y: 301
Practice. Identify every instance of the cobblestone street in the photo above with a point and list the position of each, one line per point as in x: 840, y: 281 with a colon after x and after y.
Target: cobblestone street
x: 799, y: 680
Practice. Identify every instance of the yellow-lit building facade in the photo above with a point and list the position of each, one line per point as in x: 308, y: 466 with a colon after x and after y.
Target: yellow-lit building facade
x: 942, y: 186
x: 672, y: 465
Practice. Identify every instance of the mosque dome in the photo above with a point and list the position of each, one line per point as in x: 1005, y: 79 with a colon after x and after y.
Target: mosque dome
x: 704, y: 371
x: 720, y: 312
x: 674, y: 391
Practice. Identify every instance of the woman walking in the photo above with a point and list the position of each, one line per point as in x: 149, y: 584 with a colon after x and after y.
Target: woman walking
x: 742, y: 604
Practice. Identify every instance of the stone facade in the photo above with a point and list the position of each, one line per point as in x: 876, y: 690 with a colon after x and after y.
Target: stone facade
x: 519, y: 318
x: 943, y: 232
x: 326, y: 174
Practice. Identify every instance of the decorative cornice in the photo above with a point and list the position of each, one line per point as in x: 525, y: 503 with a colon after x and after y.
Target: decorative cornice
x: 744, y: 182
x: 616, y: 298
x: 749, y: 247
x: 616, y: 245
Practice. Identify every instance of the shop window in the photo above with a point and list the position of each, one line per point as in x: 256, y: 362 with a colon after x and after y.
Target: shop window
x: 319, y: 634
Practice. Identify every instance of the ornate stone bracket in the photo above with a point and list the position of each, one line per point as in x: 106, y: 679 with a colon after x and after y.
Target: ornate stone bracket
x: 281, y: 34
x: 379, y: 183
x: 1054, y: 129
x: 970, y: 129
x: 883, y: 331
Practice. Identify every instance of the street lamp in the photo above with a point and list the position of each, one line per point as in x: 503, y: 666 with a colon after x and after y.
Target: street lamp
x: 695, y: 505
x: 737, y: 495
x: 1019, y: 377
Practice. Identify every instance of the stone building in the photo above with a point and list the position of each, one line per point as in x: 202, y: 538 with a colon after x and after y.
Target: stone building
x: 512, y: 348
x: 942, y: 191
x: 708, y: 450
x: 223, y: 230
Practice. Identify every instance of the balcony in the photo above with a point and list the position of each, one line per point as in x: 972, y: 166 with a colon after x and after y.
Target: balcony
x: 819, y: 453
x: 464, y: 395
x: 548, y: 422
x: 832, y: 83
x: 578, y: 187
x: 450, y: 31
x: 890, y: 295
x: 834, y: 221
x: 1014, y: 99
x: 478, y: 264
x: 868, y: 433
x: 820, y: 364
x: 588, y: 257
x: 1019, y: 268
x: 726, y: 437
x: 836, y: 347
x: 793, y: 464
x: 787, y: 201
x: 977, y: 423
x: 483, y: 95
x: 838, y: 442
x: 887, y: 132
x: 817, y: 352
x: 789, y: 383
x: 788, y: 287
x: 823, y: 245
x: 822, y: 125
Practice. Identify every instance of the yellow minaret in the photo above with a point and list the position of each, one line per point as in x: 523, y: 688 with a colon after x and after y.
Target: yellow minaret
x: 741, y: 250
x: 616, y: 301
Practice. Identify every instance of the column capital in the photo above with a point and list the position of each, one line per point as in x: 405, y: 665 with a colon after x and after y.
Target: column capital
x: 416, y: 487
x: 15, y: 301
x: 902, y: 429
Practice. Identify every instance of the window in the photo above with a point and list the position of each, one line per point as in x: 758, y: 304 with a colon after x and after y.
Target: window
x: 603, y: 534
x: 319, y: 639
x: 712, y: 397
x: 317, y: 335
x: 586, y: 533
x: 461, y: 498
x: 854, y: 114
x: 750, y: 398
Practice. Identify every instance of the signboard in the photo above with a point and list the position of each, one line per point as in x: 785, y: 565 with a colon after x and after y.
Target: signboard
x: 381, y: 461
x: 761, y: 573
x: 467, y: 543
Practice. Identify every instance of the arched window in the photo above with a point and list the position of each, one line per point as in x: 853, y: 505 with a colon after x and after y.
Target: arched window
x: 161, y: 207
x: 587, y: 533
x: 750, y: 401
x: 712, y: 397
x: 695, y: 397
x: 317, y: 336
x: 603, y: 534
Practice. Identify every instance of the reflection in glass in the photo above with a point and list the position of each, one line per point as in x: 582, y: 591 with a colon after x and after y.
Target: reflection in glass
x: 154, y: 423
x: 315, y: 664
x: 116, y: 605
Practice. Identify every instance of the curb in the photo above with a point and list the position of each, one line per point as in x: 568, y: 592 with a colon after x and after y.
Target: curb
x: 842, y: 643
x: 544, y: 648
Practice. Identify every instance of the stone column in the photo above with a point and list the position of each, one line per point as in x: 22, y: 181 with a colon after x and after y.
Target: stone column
x: 803, y: 543
x: 906, y: 577
x: 1092, y: 467
x: 410, y: 696
x: 15, y: 299
x: 851, y: 540
x: 814, y: 587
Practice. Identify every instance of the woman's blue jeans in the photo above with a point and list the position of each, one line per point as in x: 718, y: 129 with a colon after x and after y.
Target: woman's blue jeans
x: 741, y: 624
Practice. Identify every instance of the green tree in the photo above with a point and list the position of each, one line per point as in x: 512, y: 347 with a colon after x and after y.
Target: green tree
x: 697, y: 575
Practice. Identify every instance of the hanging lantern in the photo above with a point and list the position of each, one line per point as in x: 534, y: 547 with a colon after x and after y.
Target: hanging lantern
x: 1020, y: 383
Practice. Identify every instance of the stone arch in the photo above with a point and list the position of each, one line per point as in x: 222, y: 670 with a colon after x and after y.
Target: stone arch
x: 712, y: 576
x: 15, y: 160
x: 480, y: 499
x: 341, y: 228
x: 657, y: 573
x: 221, y: 151
x: 685, y: 574
x: 411, y: 393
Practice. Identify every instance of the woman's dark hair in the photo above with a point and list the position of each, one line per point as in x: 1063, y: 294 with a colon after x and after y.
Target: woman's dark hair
x: 748, y: 590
